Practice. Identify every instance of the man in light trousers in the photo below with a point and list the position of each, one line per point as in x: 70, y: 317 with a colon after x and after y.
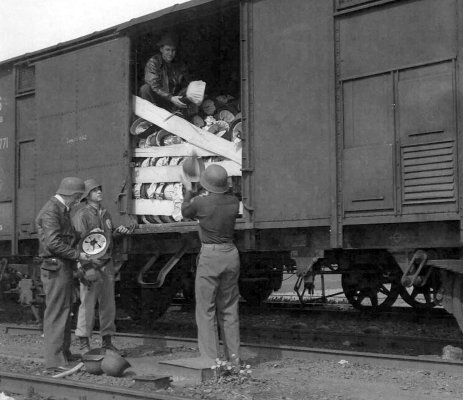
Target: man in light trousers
x: 218, y: 270
x: 93, y: 217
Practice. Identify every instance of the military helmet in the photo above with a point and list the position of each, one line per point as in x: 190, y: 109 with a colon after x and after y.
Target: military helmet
x: 114, y: 364
x: 71, y: 185
x: 90, y: 184
x: 192, y: 167
x: 215, y: 179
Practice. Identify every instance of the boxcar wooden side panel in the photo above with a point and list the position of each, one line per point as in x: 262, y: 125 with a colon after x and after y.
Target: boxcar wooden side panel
x: 7, y: 140
x: 26, y: 141
x: 397, y: 35
x: 83, y: 117
x: 292, y: 110
x: 397, y: 68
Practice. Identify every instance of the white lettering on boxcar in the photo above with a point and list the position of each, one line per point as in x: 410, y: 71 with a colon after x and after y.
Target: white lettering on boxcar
x: 81, y: 138
x: 3, y: 143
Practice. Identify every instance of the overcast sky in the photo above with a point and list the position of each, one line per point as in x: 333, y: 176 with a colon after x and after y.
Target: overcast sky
x: 30, y: 25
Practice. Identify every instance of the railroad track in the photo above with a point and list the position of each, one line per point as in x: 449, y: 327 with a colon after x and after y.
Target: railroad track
x: 344, y: 312
x: 333, y: 308
x: 60, y: 388
x: 371, y: 340
x: 70, y: 390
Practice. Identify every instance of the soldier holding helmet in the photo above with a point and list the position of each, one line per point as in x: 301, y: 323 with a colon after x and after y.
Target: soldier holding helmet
x: 218, y: 269
x: 98, y: 286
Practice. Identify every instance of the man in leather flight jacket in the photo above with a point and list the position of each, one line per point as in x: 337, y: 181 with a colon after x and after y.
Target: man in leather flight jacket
x: 165, y: 78
x: 59, y: 253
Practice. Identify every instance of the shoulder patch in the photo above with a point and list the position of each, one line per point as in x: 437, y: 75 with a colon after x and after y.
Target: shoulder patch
x: 109, y: 225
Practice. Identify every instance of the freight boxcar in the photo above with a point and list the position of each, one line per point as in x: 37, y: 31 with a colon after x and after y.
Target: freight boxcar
x: 351, y: 159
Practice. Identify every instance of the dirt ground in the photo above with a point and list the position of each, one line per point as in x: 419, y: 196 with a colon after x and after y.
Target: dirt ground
x: 287, y: 379
x: 295, y: 379
x: 270, y: 379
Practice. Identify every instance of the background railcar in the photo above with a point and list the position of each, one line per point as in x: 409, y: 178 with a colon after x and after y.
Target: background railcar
x: 351, y: 113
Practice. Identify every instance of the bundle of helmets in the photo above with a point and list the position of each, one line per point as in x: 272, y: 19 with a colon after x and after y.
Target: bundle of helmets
x: 148, y: 135
x: 219, y: 115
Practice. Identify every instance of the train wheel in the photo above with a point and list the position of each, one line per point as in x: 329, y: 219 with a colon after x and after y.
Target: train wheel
x: 422, y: 298
x: 368, y: 289
x: 255, y: 292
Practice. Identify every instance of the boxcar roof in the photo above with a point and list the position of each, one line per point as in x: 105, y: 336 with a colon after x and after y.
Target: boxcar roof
x: 112, y: 30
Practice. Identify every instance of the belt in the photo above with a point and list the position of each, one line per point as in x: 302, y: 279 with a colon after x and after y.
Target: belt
x: 216, y: 245
x: 51, y: 260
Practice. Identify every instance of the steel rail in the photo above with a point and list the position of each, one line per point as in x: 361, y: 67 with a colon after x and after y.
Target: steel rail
x: 278, y: 352
x: 65, y: 389
x: 422, y: 345
x: 318, y: 307
x: 323, y: 337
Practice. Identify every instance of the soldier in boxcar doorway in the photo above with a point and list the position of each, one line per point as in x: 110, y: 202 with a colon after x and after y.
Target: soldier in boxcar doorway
x: 97, y: 276
x: 165, y: 78
x: 218, y: 269
x: 59, y: 253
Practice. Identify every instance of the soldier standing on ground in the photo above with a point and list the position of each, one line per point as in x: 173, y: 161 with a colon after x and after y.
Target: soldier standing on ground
x: 93, y: 217
x: 59, y: 253
x: 218, y: 269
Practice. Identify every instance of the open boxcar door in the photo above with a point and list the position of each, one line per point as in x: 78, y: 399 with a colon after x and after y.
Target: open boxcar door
x: 83, y: 116
x: 291, y: 112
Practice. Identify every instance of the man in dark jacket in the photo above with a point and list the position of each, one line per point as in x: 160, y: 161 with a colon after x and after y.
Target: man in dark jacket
x: 59, y: 253
x: 93, y: 217
x: 216, y: 284
x: 165, y: 78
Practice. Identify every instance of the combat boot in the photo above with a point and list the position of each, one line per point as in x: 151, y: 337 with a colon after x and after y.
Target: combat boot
x: 84, y: 344
x: 107, y: 344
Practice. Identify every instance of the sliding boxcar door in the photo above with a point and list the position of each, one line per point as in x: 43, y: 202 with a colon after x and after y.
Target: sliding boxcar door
x: 292, y: 92
x: 83, y: 116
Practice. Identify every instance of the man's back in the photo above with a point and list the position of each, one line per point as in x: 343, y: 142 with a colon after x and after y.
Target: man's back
x: 216, y: 214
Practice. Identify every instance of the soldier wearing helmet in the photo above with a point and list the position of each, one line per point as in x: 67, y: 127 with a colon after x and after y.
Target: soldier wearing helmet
x: 165, y: 78
x: 96, y: 276
x: 218, y: 269
x: 59, y: 254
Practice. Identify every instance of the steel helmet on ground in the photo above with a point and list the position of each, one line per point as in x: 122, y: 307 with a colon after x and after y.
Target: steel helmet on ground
x: 90, y: 184
x: 114, y: 364
x: 215, y: 179
x: 71, y: 185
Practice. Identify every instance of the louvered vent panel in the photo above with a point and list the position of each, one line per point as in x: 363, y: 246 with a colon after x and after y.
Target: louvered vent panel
x: 26, y: 78
x: 428, y: 173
